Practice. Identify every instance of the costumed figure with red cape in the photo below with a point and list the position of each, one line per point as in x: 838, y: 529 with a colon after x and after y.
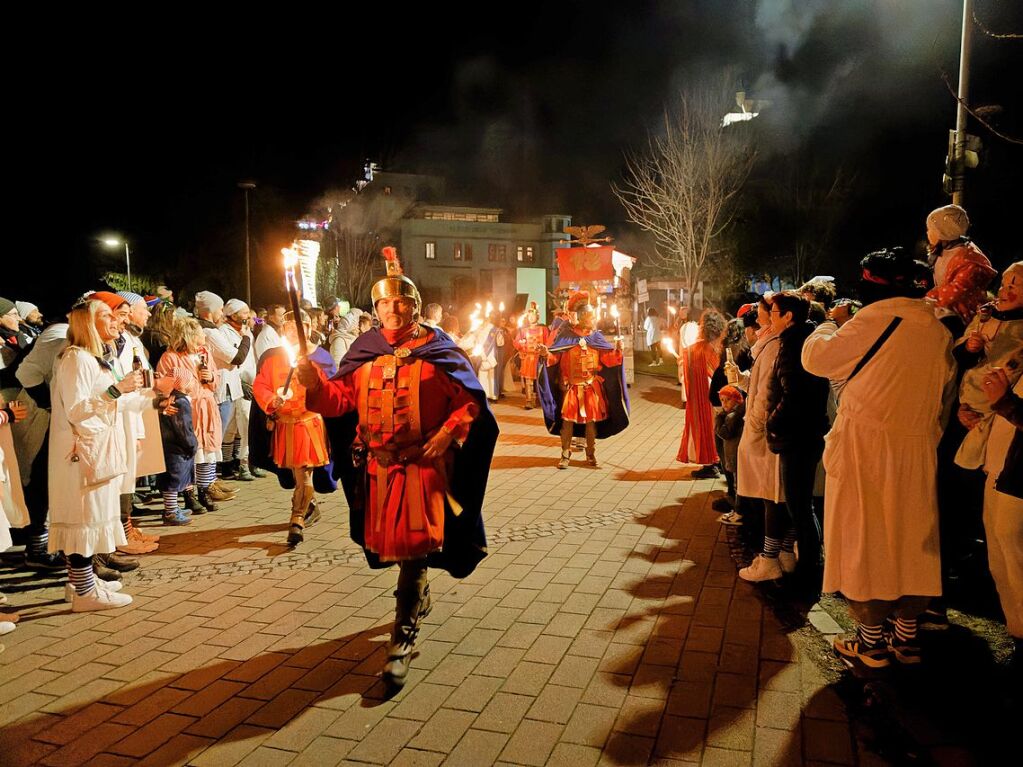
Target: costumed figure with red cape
x: 528, y: 341
x: 287, y: 438
x: 412, y: 437
x: 582, y: 386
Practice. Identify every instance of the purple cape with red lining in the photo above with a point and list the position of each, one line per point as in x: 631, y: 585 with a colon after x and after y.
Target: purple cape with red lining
x: 548, y: 387
x: 465, y: 542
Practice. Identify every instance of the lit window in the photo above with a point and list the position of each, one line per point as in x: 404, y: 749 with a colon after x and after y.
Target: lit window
x: 431, y: 251
x: 529, y: 254
x: 520, y: 253
x: 457, y: 252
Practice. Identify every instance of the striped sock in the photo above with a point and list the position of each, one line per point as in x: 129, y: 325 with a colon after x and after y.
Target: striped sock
x: 83, y: 579
x: 788, y: 543
x: 236, y: 449
x: 38, y: 542
x: 771, y: 547
x: 227, y: 448
x: 870, y: 636
x: 170, y: 501
x: 905, y: 629
x: 205, y: 474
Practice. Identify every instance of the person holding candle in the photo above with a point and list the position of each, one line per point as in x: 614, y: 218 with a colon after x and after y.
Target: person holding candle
x: 588, y: 397
x: 292, y: 440
x: 190, y: 366
x: 406, y: 405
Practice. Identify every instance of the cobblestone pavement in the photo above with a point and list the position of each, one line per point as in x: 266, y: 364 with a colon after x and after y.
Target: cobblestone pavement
x: 607, y: 626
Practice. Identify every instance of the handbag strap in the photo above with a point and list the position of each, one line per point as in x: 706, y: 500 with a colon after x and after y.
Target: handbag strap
x: 875, y: 348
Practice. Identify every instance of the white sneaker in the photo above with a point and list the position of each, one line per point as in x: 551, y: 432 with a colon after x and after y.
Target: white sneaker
x: 6, y: 627
x: 109, y: 586
x: 762, y: 569
x: 787, y: 560
x: 99, y: 599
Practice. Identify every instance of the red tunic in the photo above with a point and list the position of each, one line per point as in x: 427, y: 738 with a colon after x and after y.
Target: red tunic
x: 406, y: 499
x: 698, y: 363
x: 299, y: 438
x: 585, y: 401
x: 526, y: 341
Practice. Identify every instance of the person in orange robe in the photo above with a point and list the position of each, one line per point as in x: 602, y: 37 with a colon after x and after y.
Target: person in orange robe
x: 697, y: 364
x: 528, y: 340
x: 298, y: 440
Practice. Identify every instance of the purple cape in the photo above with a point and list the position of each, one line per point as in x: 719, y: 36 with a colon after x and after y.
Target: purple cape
x: 551, y: 396
x: 465, y: 542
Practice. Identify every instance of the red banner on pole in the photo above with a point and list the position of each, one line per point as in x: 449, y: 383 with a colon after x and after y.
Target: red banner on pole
x: 585, y: 264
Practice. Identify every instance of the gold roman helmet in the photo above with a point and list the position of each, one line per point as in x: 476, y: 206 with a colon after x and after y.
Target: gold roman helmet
x: 395, y: 284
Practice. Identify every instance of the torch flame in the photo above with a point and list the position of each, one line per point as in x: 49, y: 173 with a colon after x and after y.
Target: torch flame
x: 669, y: 346
x: 490, y: 309
x: 673, y: 310
x: 290, y: 350
x: 614, y: 310
x: 690, y: 334
x: 522, y: 319
x: 501, y: 307
x: 290, y: 257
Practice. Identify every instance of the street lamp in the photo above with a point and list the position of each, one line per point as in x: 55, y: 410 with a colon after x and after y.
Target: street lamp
x: 246, y: 186
x: 113, y: 242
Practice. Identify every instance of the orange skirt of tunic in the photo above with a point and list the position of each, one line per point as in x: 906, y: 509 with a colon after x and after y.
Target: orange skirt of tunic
x: 300, y: 442
x: 584, y: 404
x: 405, y: 509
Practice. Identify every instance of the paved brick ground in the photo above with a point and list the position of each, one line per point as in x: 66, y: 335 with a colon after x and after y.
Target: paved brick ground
x: 607, y: 626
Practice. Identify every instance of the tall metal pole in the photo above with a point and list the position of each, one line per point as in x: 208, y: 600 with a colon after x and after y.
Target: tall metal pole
x: 246, y: 186
x: 127, y: 261
x: 964, y: 88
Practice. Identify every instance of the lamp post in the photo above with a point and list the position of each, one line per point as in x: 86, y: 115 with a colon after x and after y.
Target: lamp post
x: 113, y: 242
x: 246, y: 186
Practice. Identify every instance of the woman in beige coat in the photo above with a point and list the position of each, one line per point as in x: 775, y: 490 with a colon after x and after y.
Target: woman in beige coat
x: 881, y: 518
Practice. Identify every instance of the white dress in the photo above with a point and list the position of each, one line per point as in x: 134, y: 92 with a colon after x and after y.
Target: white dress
x: 86, y: 423
x: 880, y: 501
x: 758, y: 470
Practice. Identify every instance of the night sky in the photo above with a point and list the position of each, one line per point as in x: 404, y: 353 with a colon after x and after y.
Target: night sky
x: 144, y: 126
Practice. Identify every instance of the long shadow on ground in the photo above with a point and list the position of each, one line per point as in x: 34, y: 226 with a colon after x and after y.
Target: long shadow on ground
x: 225, y: 702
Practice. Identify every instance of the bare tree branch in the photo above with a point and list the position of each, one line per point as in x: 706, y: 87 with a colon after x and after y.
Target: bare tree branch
x: 682, y: 188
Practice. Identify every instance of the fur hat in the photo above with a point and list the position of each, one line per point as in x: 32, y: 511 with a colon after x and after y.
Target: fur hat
x: 949, y: 221
x: 25, y: 308
x: 234, y: 305
x: 205, y: 301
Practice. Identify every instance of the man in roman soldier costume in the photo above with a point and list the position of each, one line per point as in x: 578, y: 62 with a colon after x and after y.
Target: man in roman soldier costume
x: 582, y: 387
x: 412, y: 439
x: 528, y: 340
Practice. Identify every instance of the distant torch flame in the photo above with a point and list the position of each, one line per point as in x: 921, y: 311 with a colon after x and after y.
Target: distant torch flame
x: 614, y: 311
x: 490, y: 309
x: 669, y: 346
x: 522, y: 319
x: 500, y: 307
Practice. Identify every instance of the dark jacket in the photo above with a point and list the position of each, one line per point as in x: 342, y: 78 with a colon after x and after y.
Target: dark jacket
x: 797, y: 402
x: 1010, y: 481
x: 728, y: 428
x: 179, y: 446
